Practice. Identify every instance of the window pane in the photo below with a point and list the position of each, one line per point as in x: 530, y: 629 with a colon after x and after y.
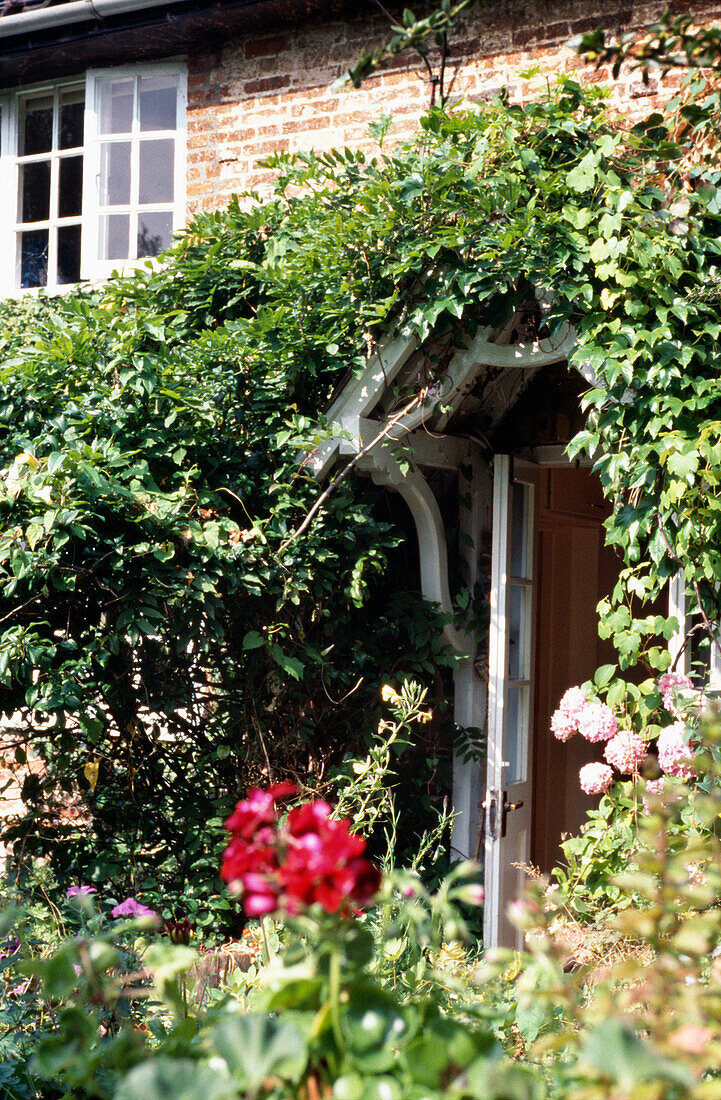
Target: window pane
x: 519, y: 600
x: 115, y: 173
x: 36, y: 125
x: 156, y: 171
x: 520, y: 541
x: 115, y: 102
x: 72, y: 115
x: 34, y: 258
x: 158, y: 98
x: 35, y: 191
x: 516, y: 734
x: 155, y: 231
x: 114, y: 236
x: 69, y: 254
x: 70, y: 192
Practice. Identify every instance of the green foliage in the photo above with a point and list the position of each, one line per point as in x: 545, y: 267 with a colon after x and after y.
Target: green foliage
x: 166, y: 635
x: 324, y: 1013
x: 325, y: 1020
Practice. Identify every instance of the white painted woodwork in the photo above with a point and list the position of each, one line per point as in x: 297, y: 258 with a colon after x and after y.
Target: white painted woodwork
x: 506, y: 854
x: 470, y: 690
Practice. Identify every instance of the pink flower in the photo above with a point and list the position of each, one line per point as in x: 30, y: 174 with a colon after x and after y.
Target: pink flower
x: 564, y: 721
x: 595, y: 778
x: 626, y: 752
x: 562, y: 725
x: 573, y: 701
x: 132, y: 908
x: 654, y: 789
x: 78, y: 891
x: 673, y: 752
x: 471, y: 894
x: 691, y: 1038
x: 671, y: 683
x: 597, y: 722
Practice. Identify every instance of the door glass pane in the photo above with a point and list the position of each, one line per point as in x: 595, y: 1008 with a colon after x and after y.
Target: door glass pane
x: 115, y: 99
x: 69, y: 254
x: 72, y: 116
x: 516, y: 734
x: 520, y: 541
x: 156, y: 171
x: 70, y: 187
x: 36, y: 125
x: 519, y: 601
x: 155, y: 231
x: 35, y: 191
x: 114, y: 236
x: 157, y: 102
x: 34, y: 258
x: 115, y: 173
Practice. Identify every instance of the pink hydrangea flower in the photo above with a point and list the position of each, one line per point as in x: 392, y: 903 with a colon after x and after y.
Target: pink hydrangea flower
x: 595, y: 778
x: 673, y: 752
x: 654, y: 789
x: 597, y: 722
x: 563, y: 725
x: 573, y: 701
x: 564, y: 721
x: 671, y: 683
x: 626, y: 752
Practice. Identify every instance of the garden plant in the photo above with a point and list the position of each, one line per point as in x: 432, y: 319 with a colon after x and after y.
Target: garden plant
x: 178, y: 627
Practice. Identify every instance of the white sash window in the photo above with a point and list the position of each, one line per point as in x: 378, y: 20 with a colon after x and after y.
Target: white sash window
x: 94, y: 171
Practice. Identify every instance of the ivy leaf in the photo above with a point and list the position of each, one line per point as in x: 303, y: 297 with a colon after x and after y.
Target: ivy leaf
x: 583, y: 176
x: 683, y: 465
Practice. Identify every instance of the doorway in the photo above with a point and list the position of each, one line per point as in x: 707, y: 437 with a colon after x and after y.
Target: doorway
x: 550, y: 568
x: 574, y: 570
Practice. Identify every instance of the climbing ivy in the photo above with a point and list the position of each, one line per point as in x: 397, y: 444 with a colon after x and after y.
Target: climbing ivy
x: 166, y: 634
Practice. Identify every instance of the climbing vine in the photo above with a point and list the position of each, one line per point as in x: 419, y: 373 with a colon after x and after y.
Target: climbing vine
x: 170, y: 627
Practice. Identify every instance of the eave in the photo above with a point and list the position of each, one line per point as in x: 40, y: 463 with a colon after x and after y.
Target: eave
x: 61, y: 39
x: 368, y: 435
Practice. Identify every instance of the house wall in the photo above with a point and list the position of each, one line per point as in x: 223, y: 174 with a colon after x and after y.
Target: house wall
x: 273, y: 92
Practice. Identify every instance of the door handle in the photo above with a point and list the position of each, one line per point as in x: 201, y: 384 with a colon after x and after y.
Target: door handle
x: 506, y: 808
x: 497, y: 808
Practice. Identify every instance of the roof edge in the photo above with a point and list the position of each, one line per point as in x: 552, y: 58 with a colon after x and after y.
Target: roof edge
x: 75, y: 11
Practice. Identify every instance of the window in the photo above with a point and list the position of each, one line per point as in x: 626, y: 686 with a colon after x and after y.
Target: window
x: 96, y: 171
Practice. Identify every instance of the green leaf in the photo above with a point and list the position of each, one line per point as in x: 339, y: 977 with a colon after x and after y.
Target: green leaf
x: 181, y: 1079
x: 255, y: 1047
x: 253, y: 640
x: 618, y: 1054
x: 583, y: 176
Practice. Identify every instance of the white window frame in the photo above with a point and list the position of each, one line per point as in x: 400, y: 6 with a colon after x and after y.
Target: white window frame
x: 92, y: 269
x: 679, y: 650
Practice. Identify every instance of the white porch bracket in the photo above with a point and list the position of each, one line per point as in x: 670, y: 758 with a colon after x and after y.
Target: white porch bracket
x: 385, y: 470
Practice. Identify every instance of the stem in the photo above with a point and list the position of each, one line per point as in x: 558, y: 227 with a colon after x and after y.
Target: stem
x: 266, y: 945
x: 335, y: 985
x: 387, y: 427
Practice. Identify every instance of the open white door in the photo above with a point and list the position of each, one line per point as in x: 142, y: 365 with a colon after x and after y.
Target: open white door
x: 508, y: 795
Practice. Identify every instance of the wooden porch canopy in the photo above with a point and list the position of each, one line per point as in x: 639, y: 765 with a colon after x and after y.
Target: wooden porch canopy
x: 370, y: 430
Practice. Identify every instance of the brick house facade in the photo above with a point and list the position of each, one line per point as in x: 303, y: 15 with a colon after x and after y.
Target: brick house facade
x: 164, y: 107
x: 265, y: 92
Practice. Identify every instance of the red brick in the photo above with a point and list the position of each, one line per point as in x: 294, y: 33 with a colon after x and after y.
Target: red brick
x: 266, y: 47
x: 260, y: 93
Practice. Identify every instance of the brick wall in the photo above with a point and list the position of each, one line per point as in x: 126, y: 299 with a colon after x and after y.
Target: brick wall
x: 260, y: 94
